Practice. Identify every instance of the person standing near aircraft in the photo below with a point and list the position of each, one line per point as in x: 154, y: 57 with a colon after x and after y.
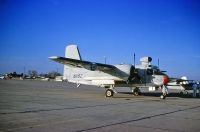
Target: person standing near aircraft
x: 194, y: 87
x: 164, y: 91
x: 198, y: 88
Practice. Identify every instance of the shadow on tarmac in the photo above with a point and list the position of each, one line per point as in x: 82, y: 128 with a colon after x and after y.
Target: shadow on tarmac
x: 149, y: 94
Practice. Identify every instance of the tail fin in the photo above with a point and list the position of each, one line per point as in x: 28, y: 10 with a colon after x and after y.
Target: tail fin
x: 72, y: 52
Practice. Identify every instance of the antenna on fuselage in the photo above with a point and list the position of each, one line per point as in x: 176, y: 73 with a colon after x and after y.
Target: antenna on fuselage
x: 134, y: 59
x: 105, y: 59
x: 158, y: 63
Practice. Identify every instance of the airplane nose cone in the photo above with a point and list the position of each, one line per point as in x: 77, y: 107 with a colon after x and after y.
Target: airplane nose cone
x: 165, y: 80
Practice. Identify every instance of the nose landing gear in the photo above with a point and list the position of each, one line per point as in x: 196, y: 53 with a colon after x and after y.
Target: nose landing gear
x: 162, y: 96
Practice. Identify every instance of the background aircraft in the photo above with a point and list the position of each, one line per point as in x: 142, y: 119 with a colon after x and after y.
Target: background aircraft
x: 182, y: 84
x: 110, y: 76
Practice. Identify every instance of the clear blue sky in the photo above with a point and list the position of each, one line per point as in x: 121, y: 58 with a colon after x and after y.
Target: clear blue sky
x: 33, y: 30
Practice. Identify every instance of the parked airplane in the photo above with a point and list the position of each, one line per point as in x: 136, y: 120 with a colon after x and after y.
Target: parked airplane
x: 2, y: 77
x: 110, y: 76
x: 182, y: 84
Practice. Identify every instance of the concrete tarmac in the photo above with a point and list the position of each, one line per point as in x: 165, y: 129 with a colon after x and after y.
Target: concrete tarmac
x: 29, y: 106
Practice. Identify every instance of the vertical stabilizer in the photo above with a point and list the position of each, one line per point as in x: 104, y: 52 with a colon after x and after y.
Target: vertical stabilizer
x: 72, y: 52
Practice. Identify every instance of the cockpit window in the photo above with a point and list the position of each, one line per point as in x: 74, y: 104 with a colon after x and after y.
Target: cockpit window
x: 158, y: 72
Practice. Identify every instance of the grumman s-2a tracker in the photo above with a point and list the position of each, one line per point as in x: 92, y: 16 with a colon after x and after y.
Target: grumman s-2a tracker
x: 108, y: 76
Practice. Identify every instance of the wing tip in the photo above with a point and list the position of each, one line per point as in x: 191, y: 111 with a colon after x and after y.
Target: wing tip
x: 53, y: 57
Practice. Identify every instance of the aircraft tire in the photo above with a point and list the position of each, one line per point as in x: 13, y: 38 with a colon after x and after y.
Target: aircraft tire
x: 184, y: 93
x: 162, y: 96
x: 136, y: 91
x: 181, y: 93
x: 109, y: 93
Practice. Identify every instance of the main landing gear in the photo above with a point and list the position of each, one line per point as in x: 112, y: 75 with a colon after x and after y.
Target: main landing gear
x: 136, y: 91
x: 109, y: 93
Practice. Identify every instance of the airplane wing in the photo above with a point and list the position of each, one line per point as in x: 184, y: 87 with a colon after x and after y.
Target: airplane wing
x: 82, y: 64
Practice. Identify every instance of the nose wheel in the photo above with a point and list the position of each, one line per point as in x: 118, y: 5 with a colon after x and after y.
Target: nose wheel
x: 162, y: 96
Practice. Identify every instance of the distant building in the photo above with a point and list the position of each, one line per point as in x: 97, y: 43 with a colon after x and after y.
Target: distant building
x: 59, y: 78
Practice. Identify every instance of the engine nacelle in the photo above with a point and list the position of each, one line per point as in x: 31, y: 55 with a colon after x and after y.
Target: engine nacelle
x: 126, y: 71
x: 160, y: 80
x: 146, y: 61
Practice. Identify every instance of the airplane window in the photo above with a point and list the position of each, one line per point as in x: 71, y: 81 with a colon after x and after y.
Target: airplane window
x: 157, y: 72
